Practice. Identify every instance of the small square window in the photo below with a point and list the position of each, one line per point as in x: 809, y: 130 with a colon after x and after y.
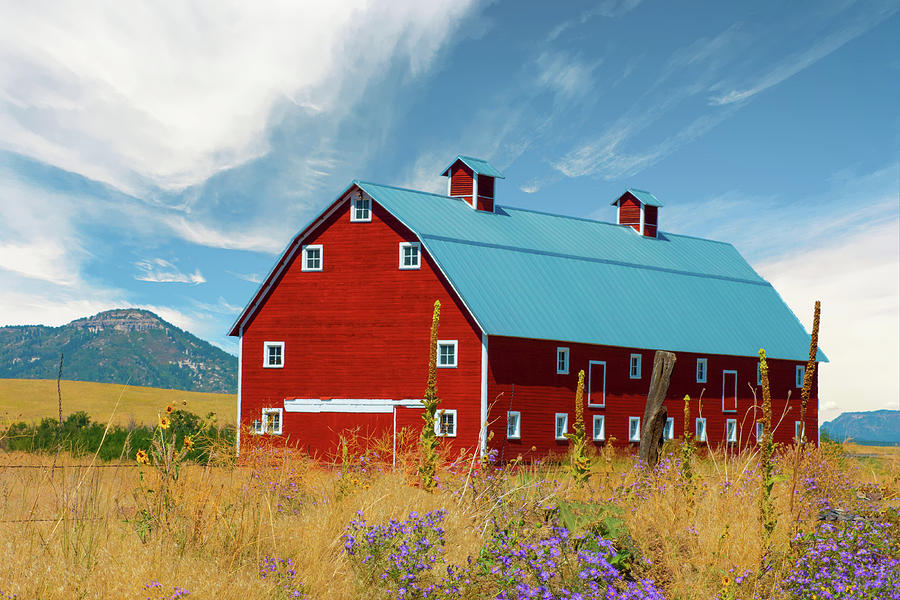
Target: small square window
x: 799, y: 430
x: 700, y: 424
x: 759, y: 431
x: 256, y: 427
x: 634, y: 429
x: 669, y: 429
x: 445, y: 423
x: 634, y: 368
x: 599, y: 428
x: 361, y: 208
x: 312, y: 257
x: 271, y: 420
x: 731, y: 430
x: 701, y: 370
x: 800, y: 374
x: 562, y: 361
x: 409, y: 255
x: 562, y: 425
x: 273, y: 355
x: 758, y: 374
x: 513, y: 425
x: 446, y: 354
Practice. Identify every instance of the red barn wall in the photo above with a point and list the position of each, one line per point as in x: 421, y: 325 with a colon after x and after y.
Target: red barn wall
x: 630, y: 212
x: 461, y: 181
x: 522, y: 377
x: 358, y: 329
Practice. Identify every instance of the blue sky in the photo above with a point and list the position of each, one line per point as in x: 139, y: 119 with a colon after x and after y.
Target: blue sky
x: 162, y: 154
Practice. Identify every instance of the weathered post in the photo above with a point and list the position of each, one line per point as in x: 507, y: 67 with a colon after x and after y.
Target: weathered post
x: 655, y: 413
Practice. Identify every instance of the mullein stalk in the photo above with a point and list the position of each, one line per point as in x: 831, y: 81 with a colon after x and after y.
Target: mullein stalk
x: 804, y: 399
x: 428, y: 441
x: 687, y: 446
x: 766, y: 508
x: 579, y: 462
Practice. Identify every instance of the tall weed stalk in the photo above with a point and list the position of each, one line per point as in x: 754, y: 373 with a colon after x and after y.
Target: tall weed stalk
x: 580, y: 463
x: 428, y: 441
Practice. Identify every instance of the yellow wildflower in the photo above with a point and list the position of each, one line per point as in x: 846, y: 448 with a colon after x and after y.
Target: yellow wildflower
x: 169, y: 409
x: 142, y: 458
x: 188, y: 442
x: 164, y: 422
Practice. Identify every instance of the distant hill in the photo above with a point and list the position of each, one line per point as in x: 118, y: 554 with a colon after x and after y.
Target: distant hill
x: 877, y: 427
x: 118, y: 346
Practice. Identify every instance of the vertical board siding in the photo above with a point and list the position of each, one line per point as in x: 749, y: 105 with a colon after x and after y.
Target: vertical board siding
x: 522, y: 377
x: 358, y: 329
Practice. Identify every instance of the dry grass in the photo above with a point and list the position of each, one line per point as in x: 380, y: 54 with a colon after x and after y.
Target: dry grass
x: 33, y: 399
x: 222, y: 520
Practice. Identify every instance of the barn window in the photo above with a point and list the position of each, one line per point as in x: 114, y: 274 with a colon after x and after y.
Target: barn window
x: 700, y: 424
x: 446, y: 354
x: 731, y: 430
x: 409, y: 255
x: 273, y: 355
x: 513, y: 425
x: 669, y: 429
x: 562, y: 361
x: 445, y: 423
x: 634, y: 369
x: 701, y: 370
x: 599, y: 428
x: 362, y: 208
x: 562, y: 425
x: 799, y: 430
x: 799, y: 375
x: 312, y: 257
x: 271, y: 420
x: 634, y: 429
x: 759, y: 431
x: 256, y: 427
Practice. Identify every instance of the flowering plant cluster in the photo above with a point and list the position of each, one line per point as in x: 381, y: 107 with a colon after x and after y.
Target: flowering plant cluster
x: 855, y: 560
x: 156, y: 587
x: 280, y: 572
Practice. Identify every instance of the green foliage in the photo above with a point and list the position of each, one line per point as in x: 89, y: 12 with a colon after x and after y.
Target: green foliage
x: 580, y: 464
x: 79, y: 436
x: 605, y: 520
x: 428, y: 441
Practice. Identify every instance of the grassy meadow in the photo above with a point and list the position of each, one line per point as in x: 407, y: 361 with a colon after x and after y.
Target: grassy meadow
x: 276, y: 525
x: 31, y: 400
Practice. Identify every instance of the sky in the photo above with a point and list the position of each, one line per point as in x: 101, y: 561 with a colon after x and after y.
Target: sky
x: 162, y: 154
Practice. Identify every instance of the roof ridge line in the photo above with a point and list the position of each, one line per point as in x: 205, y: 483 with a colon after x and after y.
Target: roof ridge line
x: 396, y: 187
x: 761, y: 282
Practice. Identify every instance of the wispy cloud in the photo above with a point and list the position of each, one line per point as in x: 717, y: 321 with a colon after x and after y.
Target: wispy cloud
x: 265, y: 238
x: 605, y: 8
x: 159, y: 270
x: 251, y: 277
x: 565, y: 75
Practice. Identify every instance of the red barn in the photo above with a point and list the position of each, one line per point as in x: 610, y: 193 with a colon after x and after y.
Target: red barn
x: 337, y: 335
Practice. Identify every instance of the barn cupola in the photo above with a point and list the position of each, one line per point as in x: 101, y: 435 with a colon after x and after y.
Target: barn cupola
x: 640, y: 210
x: 472, y: 179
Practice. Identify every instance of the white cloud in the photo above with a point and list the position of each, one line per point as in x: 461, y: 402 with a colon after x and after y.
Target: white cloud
x: 269, y: 237
x: 857, y: 278
x: 565, y: 75
x: 172, y: 93
x: 251, y: 277
x: 159, y: 270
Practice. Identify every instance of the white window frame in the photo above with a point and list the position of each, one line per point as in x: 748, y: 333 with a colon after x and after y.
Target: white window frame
x: 702, y: 361
x: 731, y: 435
x: 266, y: 346
x: 418, y: 264
x: 256, y: 427
x: 591, y: 403
x: 305, y: 266
x: 799, y: 426
x: 599, y: 433
x: 799, y: 375
x: 758, y: 374
x: 759, y: 430
x: 697, y: 423
x: 730, y: 410
x: 368, y: 208
x: 632, y: 421
x: 455, y: 345
x: 634, y: 373
x: 516, y: 433
x: 669, y: 429
x: 437, y: 422
x: 265, y: 420
x: 562, y: 352
x: 565, y: 430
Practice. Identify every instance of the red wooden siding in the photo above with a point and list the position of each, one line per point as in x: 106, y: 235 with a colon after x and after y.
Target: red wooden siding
x: 650, y: 230
x: 358, y: 329
x: 522, y: 377
x: 485, y: 203
x: 461, y: 181
x: 651, y: 214
x: 630, y: 212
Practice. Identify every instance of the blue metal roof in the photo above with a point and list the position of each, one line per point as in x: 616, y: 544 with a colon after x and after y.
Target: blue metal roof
x: 643, y: 195
x: 477, y: 165
x: 535, y: 275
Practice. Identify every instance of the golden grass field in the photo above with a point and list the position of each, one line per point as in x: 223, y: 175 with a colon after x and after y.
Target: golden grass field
x: 107, y: 532
x: 33, y: 399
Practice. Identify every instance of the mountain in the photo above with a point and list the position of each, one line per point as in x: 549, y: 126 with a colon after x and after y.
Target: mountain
x: 878, y: 427
x: 118, y: 346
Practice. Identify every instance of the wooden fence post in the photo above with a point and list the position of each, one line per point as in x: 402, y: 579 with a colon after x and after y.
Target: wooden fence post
x: 654, y: 412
